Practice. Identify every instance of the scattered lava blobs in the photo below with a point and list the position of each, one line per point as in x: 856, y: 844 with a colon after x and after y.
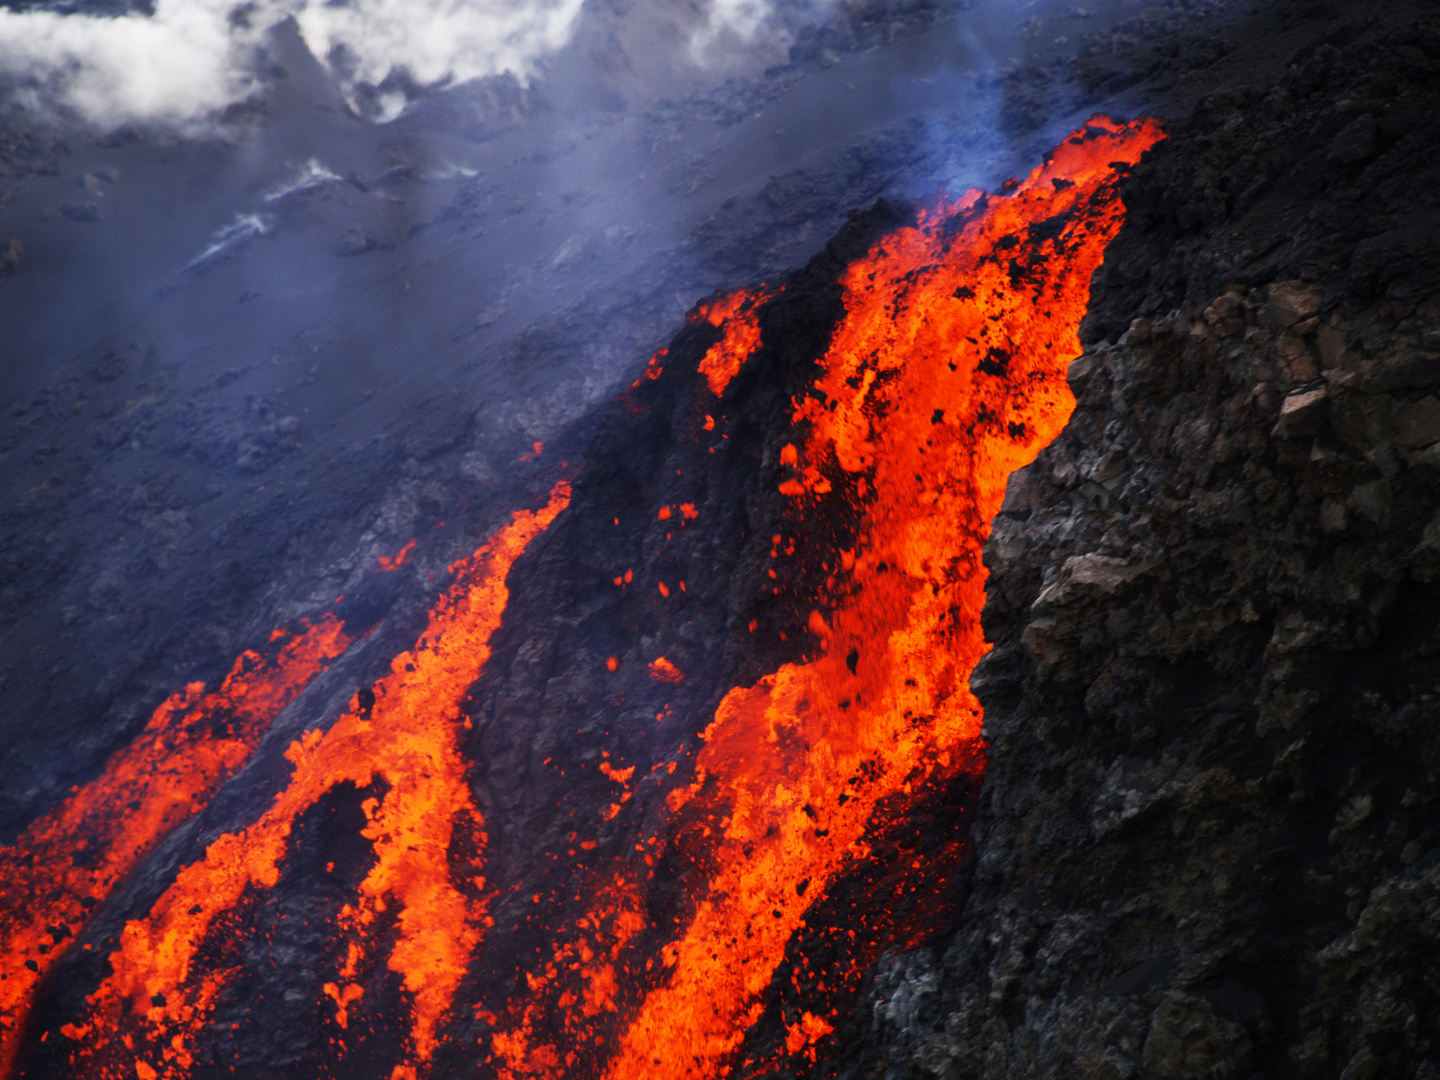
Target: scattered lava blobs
x: 70, y: 860
x: 399, y: 559
x: 162, y: 989
x: 736, y: 315
x: 946, y: 373
x: 665, y: 671
x: 584, y: 959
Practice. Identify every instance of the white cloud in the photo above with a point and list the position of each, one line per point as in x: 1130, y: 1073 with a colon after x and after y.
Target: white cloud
x: 436, y: 40
x: 192, y: 58
x: 734, y: 29
x: 741, y: 18
x: 176, y: 67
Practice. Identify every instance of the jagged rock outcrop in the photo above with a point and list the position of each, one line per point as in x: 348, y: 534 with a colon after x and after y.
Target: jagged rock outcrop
x: 1207, y: 842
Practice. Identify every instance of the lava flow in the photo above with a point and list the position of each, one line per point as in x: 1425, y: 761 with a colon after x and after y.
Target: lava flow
x: 402, y: 732
x: 742, y: 887
x: 71, y: 859
x: 735, y: 315
x: 946, y: 373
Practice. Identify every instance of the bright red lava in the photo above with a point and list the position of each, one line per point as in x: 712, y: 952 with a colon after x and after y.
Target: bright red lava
x: 946, y: 374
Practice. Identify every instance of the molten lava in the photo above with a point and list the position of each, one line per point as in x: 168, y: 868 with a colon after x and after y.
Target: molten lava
x: 405, y: 734
x: 71, y: 859
x: 735, y: 314
x: 788, y: 827
x: 946, y: 374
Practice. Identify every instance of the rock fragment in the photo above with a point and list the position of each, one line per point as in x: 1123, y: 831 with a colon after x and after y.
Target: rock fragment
x: 1357, y: 141
x: 1300, y: 414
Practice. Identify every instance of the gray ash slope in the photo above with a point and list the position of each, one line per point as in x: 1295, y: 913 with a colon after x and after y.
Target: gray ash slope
x: 1207, y: 844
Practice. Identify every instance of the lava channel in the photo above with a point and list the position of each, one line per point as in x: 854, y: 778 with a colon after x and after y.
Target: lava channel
x: 169, y: 968
x: 945, y: 373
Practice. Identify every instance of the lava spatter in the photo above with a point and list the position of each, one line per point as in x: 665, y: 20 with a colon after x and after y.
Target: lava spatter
x: 946, y: 373
x: 736, y: 315
x: 162, y: 989
x: 582, y: 973
x: 72, y: 858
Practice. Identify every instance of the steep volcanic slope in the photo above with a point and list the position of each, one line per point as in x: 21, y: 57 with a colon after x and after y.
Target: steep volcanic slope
x: 213, y: 449
x: 1207, y: 845
x: 729, y: 689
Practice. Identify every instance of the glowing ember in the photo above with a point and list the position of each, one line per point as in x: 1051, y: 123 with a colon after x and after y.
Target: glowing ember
x: 665, y: 671
x: 399, y: 559
x: 406, y: 737
x: 72, y: 858
x: 654, y: 369
x: 583, y: 966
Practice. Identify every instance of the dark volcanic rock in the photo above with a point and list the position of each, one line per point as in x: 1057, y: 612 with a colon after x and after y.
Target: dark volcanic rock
x: 1206, y: 845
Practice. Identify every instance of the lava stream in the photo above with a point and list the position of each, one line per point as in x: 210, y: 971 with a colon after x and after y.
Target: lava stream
x: 735, y: 314
x: 71, y: 859
x: 406, y: 737
x: 946, y: 374
x: 578, y: 987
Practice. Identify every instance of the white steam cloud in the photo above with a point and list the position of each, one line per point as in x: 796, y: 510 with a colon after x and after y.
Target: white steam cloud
x: 226, y: 240
x: 192, y: 58
x: 436, y: 40
x: 312, y: 175
x: 181, y: 64
x: 740, y: 18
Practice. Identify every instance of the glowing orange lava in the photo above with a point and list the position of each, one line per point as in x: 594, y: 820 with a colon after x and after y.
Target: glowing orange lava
x: 583, y: 961
x: 407, y: 738
x: 399, y: 559
x: 665, y: 671
x: 736, y: 314
x: 72, y: 858
x: 946, y: 374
